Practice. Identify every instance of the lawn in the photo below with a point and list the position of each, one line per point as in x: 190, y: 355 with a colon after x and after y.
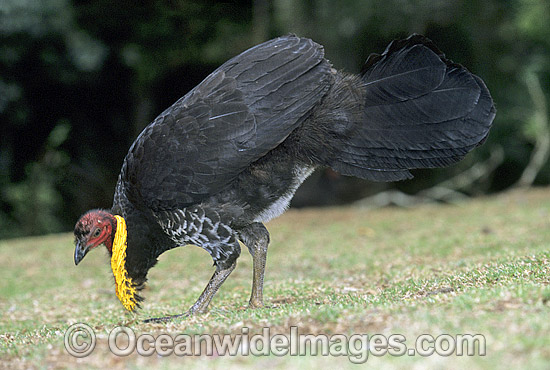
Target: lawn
x: 481, y: 267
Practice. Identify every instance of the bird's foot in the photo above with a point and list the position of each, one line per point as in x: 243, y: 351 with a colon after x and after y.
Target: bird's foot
x: 192, y: 311
x: 255, y: 303
x: 164, y: 318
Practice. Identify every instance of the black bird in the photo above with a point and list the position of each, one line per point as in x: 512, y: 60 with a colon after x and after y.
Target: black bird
x: 229, y: 155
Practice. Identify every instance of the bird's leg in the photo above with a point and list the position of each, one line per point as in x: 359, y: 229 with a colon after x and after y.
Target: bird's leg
x: 216, y: 281
x: 259, y: 258
x: 256, y: 238
x: 201, y: 305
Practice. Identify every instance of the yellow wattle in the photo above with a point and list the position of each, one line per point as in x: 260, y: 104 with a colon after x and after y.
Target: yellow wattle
x: 124, y: 288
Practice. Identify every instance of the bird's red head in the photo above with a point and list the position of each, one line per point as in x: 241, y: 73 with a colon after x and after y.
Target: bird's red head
x: 94, y: 228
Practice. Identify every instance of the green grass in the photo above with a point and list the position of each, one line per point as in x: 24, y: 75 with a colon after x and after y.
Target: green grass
x: 481, y: 267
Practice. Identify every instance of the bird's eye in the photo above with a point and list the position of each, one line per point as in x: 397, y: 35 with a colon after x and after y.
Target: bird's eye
x: 97, y: 233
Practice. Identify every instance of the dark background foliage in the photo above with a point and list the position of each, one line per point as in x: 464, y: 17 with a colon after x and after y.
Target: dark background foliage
x: 80, y: 79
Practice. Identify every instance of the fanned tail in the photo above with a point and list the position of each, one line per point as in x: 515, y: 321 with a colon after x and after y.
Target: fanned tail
x: 409, y: 108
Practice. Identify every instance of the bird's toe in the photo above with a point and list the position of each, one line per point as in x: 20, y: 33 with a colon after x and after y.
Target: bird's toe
x: 165, y: 319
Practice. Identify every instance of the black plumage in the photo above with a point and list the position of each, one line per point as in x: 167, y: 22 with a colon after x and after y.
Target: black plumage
x: 229, y: 155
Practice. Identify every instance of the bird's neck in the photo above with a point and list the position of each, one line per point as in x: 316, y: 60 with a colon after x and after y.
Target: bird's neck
x: 125, y: 289
x: 109, y: 241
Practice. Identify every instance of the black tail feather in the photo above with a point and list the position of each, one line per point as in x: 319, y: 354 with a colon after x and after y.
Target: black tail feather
x: 418, y: 110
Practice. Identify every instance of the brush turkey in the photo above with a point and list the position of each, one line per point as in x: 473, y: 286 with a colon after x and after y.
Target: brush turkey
x: 228, y: 156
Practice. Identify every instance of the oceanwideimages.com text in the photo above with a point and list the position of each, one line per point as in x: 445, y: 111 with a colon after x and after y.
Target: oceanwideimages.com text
x: 80, y: 341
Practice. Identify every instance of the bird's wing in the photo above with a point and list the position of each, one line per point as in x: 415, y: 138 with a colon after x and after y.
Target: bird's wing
x: 235, y: 116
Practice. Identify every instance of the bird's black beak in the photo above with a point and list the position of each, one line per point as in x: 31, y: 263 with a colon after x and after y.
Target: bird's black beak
x: 80, y: 251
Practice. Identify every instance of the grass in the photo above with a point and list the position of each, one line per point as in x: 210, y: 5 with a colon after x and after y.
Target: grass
x: 481, y: 267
